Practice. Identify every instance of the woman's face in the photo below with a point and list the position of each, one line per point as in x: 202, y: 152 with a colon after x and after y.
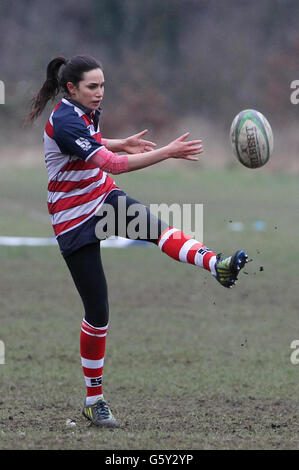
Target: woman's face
x: 90, y: 90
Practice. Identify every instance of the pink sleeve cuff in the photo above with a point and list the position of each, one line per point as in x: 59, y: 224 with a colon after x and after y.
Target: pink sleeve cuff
x: 109, y: 161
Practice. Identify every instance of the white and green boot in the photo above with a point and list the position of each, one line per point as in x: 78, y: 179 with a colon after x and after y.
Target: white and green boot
x: 100, y: 414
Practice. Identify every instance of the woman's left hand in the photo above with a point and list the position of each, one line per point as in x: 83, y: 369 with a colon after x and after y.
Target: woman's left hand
x: 136, y: 144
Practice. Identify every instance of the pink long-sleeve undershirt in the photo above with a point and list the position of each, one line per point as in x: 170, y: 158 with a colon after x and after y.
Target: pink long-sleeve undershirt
x: 109, y: 161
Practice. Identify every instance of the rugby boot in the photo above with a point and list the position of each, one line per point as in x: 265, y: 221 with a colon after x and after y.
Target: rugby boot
x: 100, y: 414
x: 227, y: 269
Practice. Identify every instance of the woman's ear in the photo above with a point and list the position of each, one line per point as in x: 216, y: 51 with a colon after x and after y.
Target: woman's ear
x: 71, y: 88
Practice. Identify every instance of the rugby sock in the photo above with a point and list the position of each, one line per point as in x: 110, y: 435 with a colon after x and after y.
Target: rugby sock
x: 186, y: 249
x: 92, y: 347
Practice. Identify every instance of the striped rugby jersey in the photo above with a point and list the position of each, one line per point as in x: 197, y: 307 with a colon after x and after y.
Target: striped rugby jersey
x: 76, y: 188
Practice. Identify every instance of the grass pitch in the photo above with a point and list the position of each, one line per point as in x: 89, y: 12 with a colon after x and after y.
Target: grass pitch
x: 189, y: 364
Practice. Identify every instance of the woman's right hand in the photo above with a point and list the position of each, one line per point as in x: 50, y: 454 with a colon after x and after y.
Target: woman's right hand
x: 179, y: 148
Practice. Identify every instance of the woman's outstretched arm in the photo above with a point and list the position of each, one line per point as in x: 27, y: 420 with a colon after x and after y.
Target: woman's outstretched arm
x: 178, y: 148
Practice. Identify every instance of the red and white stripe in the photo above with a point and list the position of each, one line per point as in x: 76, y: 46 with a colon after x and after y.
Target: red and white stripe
x: 92, y: 346
x: 76, y: 188
x: 186, y: 249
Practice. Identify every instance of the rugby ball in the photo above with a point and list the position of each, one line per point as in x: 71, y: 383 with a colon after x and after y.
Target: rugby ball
x: 251, y: 138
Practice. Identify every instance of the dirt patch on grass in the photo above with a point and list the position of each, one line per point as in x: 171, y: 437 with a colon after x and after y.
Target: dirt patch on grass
x: 215, y: 422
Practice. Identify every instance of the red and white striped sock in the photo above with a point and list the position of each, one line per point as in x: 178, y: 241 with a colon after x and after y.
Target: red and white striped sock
x: 92, y: 346
x: 186, y: 249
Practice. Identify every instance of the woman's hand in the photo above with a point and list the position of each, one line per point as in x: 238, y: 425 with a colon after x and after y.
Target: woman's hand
x: 136, y: 144
x: 147, y: 156
x: 180, y: 149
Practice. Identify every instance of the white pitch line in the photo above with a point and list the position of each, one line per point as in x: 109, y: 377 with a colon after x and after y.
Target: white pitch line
x: 117, y: 242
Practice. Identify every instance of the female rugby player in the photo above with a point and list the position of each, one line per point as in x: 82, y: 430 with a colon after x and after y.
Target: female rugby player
x: 78, y: 161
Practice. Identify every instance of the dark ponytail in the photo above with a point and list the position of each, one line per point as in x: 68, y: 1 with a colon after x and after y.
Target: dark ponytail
x: 72, y: 72
x: 49, y: 90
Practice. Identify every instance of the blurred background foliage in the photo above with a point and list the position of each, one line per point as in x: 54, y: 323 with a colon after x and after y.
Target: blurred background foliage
x: 163, y: 61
